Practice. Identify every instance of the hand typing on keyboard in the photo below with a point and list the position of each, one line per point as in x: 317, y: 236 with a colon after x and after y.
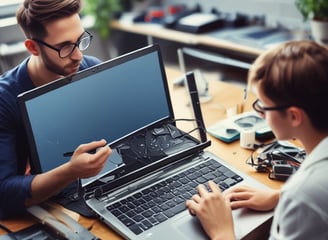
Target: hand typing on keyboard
x: 211, y: 207
x: 163, y: 200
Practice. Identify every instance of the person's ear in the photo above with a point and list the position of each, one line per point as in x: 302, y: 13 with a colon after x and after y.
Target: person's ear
x: 32, y: 47
x: 296, y: 115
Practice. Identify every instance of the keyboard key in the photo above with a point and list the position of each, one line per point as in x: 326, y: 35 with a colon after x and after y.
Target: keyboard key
x: 136, y: 229
x: 137, y: 195
x: 147, y: 224
x: 223, y: 186
x: 130, y: 205
x: 178, y: 199
x: 209, y: 176
x: 176, y: 209
x: 238, y: 178
x: 116, y: 212
x: 169, y: 213
x: 156, y: 209
x: 187, y: 196
x: 148, y: 213
x: 153, y: 221
x: 158, y: 200
x: 164, y: 206
x: 117, y: 205
x: 124, y: 209
x: 160, y: 217
x: 138, y: 210
x: 184, y: 180
x: 171, y: 203
x: 229, y: 174
x: 125, y: 220
x: 131, y: 214
x: 230, y: 181
x: 201, y: 180
x: 138, y: 218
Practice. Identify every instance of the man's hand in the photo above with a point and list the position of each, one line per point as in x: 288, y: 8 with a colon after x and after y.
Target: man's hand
x: 84, y: 164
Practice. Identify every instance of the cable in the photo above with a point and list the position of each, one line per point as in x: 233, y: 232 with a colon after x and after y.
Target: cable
x: 191, y: 120
x: 277, y: 160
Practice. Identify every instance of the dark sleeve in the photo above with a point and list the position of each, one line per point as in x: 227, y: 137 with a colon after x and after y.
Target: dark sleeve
x: 13, y: 193
x: 14, y: 186
x: 89, y: 61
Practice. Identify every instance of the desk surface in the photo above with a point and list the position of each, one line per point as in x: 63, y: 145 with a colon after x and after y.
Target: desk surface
x: 224, y: 96
x: 157, y: 30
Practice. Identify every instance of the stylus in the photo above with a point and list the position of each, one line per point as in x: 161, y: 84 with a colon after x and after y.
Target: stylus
x: 70, y: 154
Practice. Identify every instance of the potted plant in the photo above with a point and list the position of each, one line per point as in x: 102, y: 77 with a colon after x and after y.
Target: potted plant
x: 102, y: 11
x: 316, y: 11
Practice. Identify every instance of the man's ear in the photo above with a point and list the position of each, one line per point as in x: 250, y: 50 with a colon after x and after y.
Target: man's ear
x: 32, y: 47
x: 296, y: 115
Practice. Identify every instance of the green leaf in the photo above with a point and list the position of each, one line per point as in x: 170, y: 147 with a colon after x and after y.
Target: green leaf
x: 102, y: 11
x: 313, y: 9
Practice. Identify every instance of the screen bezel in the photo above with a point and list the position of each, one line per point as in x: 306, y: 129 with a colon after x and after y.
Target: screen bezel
x: 24, y: 97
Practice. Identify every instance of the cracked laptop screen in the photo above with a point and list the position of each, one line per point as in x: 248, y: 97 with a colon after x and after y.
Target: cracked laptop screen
x: 110, y: 102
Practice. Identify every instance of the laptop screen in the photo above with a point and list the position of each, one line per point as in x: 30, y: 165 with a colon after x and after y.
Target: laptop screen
x: 112, y: 100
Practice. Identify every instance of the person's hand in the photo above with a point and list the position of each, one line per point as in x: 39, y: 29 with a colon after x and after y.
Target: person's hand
x: 252, y: 198
x: 213, y: 211
x: 84, y: 164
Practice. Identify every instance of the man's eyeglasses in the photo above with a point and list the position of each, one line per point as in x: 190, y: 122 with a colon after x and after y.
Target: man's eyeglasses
x: 258, y: 107
x: 83, y: 43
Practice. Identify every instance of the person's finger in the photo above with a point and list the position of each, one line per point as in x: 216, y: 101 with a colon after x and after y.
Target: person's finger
x: 87, y: 147
x: 196, y: 198
x: 213, y: 186
x: 191, y: 205
x: 239, y: 188
x: 236, y: 196
x: 103, y: 152
x: 240, y: 204
x: 202, y: 190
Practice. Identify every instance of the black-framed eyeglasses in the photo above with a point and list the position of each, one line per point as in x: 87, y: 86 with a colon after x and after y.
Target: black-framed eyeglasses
x: 258, y: 107
x: 66, y: 50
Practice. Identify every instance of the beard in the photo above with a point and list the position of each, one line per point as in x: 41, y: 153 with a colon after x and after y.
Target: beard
x: 62, y: 70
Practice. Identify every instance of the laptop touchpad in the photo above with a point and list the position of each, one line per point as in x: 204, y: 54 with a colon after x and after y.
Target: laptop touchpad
x: 190, y: 226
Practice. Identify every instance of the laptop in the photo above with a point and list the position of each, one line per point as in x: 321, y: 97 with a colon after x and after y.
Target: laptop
x: 155, y: 166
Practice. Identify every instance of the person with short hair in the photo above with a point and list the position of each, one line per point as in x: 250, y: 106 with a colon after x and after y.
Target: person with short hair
x: 291, y: 83
x: 55, y: 39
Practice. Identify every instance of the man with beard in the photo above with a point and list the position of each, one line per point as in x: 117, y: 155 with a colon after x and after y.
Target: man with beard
x: 55, y: 38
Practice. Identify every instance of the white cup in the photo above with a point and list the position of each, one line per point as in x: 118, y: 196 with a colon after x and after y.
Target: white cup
x: 247, y: 138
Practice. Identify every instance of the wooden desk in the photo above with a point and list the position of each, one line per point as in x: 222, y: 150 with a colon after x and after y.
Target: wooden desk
x: 224, y: 95
x: 156, y: 30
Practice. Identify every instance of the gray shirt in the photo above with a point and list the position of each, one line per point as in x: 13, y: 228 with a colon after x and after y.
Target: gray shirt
x: 302, y: 211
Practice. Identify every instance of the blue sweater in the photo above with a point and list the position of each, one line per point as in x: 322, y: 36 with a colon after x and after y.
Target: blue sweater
x: 15, y: 186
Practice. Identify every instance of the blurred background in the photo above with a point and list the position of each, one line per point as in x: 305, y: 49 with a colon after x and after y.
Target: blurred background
x: 274, y: 16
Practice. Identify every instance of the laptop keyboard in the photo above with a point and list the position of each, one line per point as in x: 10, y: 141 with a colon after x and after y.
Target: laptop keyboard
x: 165, y: 199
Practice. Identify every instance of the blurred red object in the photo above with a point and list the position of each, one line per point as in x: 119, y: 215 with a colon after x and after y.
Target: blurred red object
x: 173, y: 9
x: 154, y: 15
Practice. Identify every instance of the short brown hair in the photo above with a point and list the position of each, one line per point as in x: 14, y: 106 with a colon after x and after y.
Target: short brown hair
x: 33, y: 15
x: 295, y: 74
